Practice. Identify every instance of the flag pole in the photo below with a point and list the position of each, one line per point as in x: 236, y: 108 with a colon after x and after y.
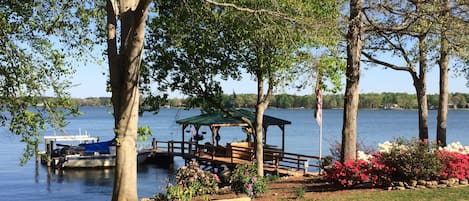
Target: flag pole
x: 320, y: 145
x: 318, y: 116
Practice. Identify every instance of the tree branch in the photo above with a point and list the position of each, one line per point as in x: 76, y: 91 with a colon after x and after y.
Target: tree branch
x: 385, y: 64
x: 396, y: 28
x: 253, y: 11
x: 249, y: 10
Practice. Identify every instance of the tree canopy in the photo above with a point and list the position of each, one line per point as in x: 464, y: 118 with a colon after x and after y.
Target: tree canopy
x: 192, y: 44
x: 40, y: 43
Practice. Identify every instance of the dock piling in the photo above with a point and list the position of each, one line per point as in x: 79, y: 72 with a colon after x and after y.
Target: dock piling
x: 154, y: 144
x: 48, y: 153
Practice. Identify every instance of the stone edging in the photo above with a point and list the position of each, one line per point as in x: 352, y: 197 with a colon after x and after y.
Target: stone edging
x: 420, y: 184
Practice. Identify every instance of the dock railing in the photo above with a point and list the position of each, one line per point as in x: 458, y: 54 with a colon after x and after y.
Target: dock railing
x: 278, y: 159
x: 274, y: 159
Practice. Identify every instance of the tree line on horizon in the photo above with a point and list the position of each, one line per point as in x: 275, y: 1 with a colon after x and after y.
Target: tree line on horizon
x: 330, y: 101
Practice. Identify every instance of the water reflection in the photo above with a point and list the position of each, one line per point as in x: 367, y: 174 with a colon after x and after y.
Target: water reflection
x: 151, y: 179
x: 88, y: 177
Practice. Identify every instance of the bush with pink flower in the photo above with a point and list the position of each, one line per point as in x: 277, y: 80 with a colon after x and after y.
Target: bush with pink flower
x: 350, y: 173
x: 403, y: 160
x: 244, y: 179
x: 455, y: 165
x: 192, y: 181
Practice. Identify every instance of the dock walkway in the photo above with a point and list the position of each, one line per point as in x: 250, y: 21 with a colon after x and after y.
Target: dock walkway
x: 216, y: 158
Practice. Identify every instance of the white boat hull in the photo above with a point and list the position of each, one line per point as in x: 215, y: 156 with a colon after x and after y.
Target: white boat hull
x: 100, y: 161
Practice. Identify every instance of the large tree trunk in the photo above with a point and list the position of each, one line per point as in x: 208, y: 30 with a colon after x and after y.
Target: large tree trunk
x: 260, y: 108
x: 421, y: 89
x: 124, y: 68
x: 443, y: 64
x: 354, y: 47
x: 262, y: 103
x: 258, y: 130
x: 422, y: 109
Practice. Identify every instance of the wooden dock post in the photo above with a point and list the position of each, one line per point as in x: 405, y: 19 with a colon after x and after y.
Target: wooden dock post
x: 36, y: 153
x: 190, y: 149
x: 154, y: 144
x: 306, y: 166
x: 298, y: 162
x: 48, y: 153
x: 52, y: 146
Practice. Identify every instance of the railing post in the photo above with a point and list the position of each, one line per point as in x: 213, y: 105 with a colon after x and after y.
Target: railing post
x: 190, y: 148
x: 169, y: 148
x: 172, y: 147
x: 154, y: 144
x: 182, y: 147
x: 298, y: 162
x: 306, y: 166
x: 231, y: 155
x: 276, y: 161
x: 213, y: 152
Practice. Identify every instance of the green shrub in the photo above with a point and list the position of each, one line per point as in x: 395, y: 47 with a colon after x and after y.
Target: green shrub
x: 412, y: 159
x: 178, y: 192
x: 192, y: 181
x: 245, y: 180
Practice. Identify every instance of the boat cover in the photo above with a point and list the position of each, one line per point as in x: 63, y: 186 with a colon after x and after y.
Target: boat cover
x: 101, y: 147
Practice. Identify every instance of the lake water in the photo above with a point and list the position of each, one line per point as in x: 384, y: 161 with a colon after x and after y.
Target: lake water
x: 33, y: 182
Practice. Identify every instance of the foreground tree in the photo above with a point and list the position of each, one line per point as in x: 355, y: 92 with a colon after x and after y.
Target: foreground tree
x: 42, y: 41
x: 190, y: 45
x: 124, y: 58
x: 443, y: 66
x: 263, y: 38
x: 451, y: 18
x: 36, y: 63
x: 405, y: 33
x: 275, y: 45
x: 411, y: 31
x: 354, y: 49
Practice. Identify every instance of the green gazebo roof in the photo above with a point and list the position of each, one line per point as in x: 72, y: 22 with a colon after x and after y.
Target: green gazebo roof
x: 236, y: 117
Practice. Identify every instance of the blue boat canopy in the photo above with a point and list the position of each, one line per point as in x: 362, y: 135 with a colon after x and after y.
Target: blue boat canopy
x: 101, y: 147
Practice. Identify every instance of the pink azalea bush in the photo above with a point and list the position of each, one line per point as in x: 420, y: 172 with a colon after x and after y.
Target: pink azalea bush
x: 455, y: 165
x: 402, y: 160
x: 350, y: 173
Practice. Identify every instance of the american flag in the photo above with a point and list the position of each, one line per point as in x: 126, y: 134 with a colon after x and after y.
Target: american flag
x: 318, y: 111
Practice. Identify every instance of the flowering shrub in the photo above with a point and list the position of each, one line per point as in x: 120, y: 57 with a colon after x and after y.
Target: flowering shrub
x: 411, y: 159
x: 192, y: 181
x: 350, y: 173
x: 402, y: 160
x: 244, y: 179
x: 360, y: 171
x: 380, y: 174
x: 456, y: 147
x: 455, y: 164
x: 361, y: 155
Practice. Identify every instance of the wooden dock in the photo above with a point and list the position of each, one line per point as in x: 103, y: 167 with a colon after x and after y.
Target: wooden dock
x: 218, y: 158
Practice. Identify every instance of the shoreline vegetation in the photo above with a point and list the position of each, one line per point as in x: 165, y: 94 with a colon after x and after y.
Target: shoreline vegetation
x: 391, y: 101
x: 399, y: 170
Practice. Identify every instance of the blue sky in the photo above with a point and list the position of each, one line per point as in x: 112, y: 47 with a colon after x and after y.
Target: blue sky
x: 90, y: 82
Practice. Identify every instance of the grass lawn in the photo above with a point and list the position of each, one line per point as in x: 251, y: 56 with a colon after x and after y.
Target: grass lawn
x: 449, y: 194
x: 314, y: 189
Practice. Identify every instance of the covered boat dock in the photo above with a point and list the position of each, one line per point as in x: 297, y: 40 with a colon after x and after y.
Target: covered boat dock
x: 215, y: 156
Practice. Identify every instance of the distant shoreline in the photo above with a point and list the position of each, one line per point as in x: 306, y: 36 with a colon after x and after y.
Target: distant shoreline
x: 373, y: 101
